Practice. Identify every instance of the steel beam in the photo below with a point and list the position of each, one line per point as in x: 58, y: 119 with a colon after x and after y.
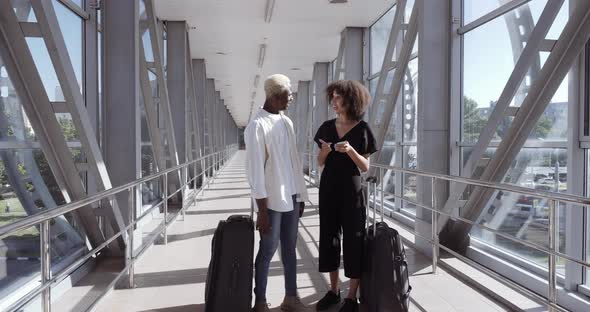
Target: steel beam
x: 396, y: 85
x: 164, y: 103
x: 380, y: 97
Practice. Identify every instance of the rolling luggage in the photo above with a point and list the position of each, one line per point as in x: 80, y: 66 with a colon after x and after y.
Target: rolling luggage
x: 385, y: 285
x: 229, y: 277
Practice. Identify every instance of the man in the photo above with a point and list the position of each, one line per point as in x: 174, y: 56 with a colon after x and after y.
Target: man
x: 278, y: 188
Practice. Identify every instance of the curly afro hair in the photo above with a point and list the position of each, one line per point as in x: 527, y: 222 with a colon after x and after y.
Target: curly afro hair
x: 356, y: 97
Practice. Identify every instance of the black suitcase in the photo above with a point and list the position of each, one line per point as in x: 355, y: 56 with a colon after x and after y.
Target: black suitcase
x: 385, y: 285
x: 229, y: 277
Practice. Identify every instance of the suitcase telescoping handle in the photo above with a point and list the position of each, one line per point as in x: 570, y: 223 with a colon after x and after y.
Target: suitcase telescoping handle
x: 372, y: 181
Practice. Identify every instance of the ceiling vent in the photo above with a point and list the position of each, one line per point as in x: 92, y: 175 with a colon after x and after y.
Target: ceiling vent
x: 338, y: 1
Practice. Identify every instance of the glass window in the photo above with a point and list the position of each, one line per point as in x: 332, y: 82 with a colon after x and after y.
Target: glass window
x: 410, y: 102
x: 379, y: 38
x: 502, y: 40
x: 67, y: 127
x: 526, y: 217
x: 536, y: 8
x: 474, y: 9
x: 22, y: 255
x: 24, y: 11
x: 388, y: 152
x: 145, y: 33
x: 14, y: 124
x: 410, y: 162
x: 71, y: 28
x: 383, y: 102
x: 27, y: 186
x: 45, y: 69
x: 150, y: 191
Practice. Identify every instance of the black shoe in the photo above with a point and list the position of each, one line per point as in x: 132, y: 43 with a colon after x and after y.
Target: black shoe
x: 329, y: 300
x: 350, y: 305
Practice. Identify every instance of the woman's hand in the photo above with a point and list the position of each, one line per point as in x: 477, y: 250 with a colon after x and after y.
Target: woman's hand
x: 326, y: 146
x: 343, y: 147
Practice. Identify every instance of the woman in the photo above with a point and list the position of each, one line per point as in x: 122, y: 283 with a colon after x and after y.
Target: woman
x: 346, y: 143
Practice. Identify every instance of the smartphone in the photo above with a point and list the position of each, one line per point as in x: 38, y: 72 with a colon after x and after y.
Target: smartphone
x: 342, y: 143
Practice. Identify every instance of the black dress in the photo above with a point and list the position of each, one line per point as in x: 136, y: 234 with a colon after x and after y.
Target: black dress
x: 342, y: 204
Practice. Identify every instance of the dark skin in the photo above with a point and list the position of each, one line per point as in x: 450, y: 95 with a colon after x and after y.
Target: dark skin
x: 273, y: 105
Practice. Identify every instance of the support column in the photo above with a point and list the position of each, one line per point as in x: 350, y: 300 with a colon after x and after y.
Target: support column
x: 433, y: 108
x: 574, y: 215
x: 200, y: 78
x: 90, y: 80
x: 177, y: 84
x: 320, y: 105
x: 353, y: 53
x: 121, y: 97
x: 301, y: 108
x: 216, y: 124
x: 210, y: 100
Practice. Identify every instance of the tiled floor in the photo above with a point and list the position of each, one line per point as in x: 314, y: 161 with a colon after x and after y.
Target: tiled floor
x: 172, y: 277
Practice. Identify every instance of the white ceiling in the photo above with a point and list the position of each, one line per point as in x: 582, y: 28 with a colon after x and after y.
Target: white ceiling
x: 300, y: 33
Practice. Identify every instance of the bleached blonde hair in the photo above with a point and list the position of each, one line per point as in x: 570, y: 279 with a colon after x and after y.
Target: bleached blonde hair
x: 276, y: 84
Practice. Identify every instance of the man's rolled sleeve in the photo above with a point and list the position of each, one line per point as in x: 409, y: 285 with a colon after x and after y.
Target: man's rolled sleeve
x: 255, y: 159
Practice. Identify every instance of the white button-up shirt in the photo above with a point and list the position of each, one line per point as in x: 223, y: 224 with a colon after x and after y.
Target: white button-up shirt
x: 269, y: 160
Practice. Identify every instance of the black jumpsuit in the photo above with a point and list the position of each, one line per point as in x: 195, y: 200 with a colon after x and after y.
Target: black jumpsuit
x: 342, y: 204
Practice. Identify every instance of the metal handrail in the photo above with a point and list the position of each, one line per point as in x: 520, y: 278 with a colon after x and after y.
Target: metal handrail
x: 213, y: 160
x: 569, y: 198
x: 61, y: 210
x: 553, y: 199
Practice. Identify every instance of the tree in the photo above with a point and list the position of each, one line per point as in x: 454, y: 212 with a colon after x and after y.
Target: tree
x: 542, y: 128
x: 473, y: 123
x: 68, y: 129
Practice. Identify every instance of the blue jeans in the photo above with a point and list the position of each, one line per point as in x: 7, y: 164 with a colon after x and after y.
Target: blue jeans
x: 284, y: 227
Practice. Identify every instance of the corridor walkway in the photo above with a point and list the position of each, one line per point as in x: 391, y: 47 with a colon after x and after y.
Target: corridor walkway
x: 171, y: 278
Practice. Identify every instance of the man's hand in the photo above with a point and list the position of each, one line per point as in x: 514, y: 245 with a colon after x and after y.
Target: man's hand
x: 263, y: 222
x: 301, y: 209
x: 326, y: 146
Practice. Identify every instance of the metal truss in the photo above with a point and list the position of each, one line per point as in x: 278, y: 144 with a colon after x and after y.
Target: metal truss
x: 42, y: 113
x: 565, y: 51
x: 151, y: 112
x: 384, y: 102
x: 167, y: 149
x: 520, y: 28
x: 522, y: 32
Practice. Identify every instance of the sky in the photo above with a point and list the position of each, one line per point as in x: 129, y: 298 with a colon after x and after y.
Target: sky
x: 488, y: 57
x: 71, y: 26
